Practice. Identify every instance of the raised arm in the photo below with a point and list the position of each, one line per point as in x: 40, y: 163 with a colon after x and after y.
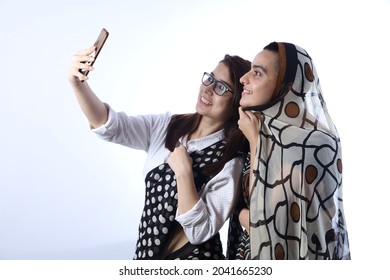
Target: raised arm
x: 92, y: 107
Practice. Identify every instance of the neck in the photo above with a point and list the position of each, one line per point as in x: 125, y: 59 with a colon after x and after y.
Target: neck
x: 205, y: 128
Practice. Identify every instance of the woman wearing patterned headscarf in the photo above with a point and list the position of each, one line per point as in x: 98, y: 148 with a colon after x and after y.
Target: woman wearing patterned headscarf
x: 292, y: 187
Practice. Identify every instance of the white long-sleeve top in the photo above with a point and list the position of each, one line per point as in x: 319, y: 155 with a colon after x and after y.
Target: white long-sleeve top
x: 147, y: 132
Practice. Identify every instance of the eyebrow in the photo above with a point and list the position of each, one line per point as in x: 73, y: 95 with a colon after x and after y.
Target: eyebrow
x: 261, y: 67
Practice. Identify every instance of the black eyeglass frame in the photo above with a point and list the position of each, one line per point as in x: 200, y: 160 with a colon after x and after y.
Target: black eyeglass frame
x: 215, y: 82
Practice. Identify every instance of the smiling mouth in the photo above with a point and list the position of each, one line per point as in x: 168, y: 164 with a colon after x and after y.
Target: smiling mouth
x: 205, y: 101
x: 245, y: 91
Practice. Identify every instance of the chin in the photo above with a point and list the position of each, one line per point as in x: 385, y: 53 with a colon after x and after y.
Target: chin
x: 244, y: 104
x: 199, y: 109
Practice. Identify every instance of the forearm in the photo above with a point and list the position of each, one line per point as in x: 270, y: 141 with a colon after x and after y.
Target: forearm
x: 215, y: 205
x: 187, y: 194
x: 90, y: 104
x: 92, y: 107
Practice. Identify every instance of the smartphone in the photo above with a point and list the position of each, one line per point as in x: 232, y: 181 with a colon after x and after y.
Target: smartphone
x: 98, y: 45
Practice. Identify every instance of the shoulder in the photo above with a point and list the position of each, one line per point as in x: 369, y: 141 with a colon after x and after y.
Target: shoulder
x: 233, y: 167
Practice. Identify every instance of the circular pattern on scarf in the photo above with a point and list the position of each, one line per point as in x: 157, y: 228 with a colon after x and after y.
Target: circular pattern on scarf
x: 292, y: 110
x: 279, y: 252
x: 295, y: 212
x: 340, y: 165
x: 309, y: 72
x: 160, y: 203
x: 310, y: 173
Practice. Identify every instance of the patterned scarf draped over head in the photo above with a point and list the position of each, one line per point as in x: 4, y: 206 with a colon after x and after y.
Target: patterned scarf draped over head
x: 296, y: 202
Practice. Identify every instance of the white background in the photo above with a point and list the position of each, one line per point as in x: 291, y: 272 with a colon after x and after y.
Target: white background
x: 65, y: 194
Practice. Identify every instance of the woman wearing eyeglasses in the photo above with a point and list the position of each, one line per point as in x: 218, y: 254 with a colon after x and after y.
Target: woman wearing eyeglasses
x: 293, y: 182
x: 194, y: 161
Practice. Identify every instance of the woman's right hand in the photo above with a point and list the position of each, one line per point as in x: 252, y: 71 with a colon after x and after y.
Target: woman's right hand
x: 249, y: 124
x: 79, y: 62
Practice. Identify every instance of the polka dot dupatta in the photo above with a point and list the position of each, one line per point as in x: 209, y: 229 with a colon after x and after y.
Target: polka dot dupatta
x: 296, y: 202
x: 158, y: 223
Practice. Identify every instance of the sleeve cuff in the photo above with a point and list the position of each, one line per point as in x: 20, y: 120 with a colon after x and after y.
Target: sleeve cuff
x: 191, y: 218
x: 108, y: 125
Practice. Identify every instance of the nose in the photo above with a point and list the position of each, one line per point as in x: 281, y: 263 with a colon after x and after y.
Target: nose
x: 210, y: 89
x: 243, y: 79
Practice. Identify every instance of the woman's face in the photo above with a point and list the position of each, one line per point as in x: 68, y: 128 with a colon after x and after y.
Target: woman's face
x: 210, y: 104
x: 260, y: 81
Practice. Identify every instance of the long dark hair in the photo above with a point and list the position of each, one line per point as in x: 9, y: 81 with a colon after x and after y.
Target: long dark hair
x: 236, y: 143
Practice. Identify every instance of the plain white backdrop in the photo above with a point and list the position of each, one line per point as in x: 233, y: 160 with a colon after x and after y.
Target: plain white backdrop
x: 65, y: 194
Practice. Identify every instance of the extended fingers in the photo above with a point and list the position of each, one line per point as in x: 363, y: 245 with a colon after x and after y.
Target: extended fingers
x: 79, y: 69
x: 81, y: 63
x: 84, y: 55
x: 87, y: 52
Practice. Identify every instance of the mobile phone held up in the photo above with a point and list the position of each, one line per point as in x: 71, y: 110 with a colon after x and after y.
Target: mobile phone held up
x: 98, y: 47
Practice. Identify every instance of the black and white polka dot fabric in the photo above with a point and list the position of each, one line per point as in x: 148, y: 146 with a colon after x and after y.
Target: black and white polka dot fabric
x: 158, y: 217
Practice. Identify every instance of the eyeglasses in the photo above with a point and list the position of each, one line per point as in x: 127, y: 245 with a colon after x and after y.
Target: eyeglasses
x: 218, y: 88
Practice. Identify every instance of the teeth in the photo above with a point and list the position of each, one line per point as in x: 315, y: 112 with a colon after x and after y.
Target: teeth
x: 247, y: 91
x: 205, y: 101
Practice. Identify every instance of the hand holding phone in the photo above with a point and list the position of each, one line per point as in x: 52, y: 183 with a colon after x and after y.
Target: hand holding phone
x: 98, y: 46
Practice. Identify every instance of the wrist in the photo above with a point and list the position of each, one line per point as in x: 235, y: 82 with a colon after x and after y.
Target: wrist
x: 183, y: 175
